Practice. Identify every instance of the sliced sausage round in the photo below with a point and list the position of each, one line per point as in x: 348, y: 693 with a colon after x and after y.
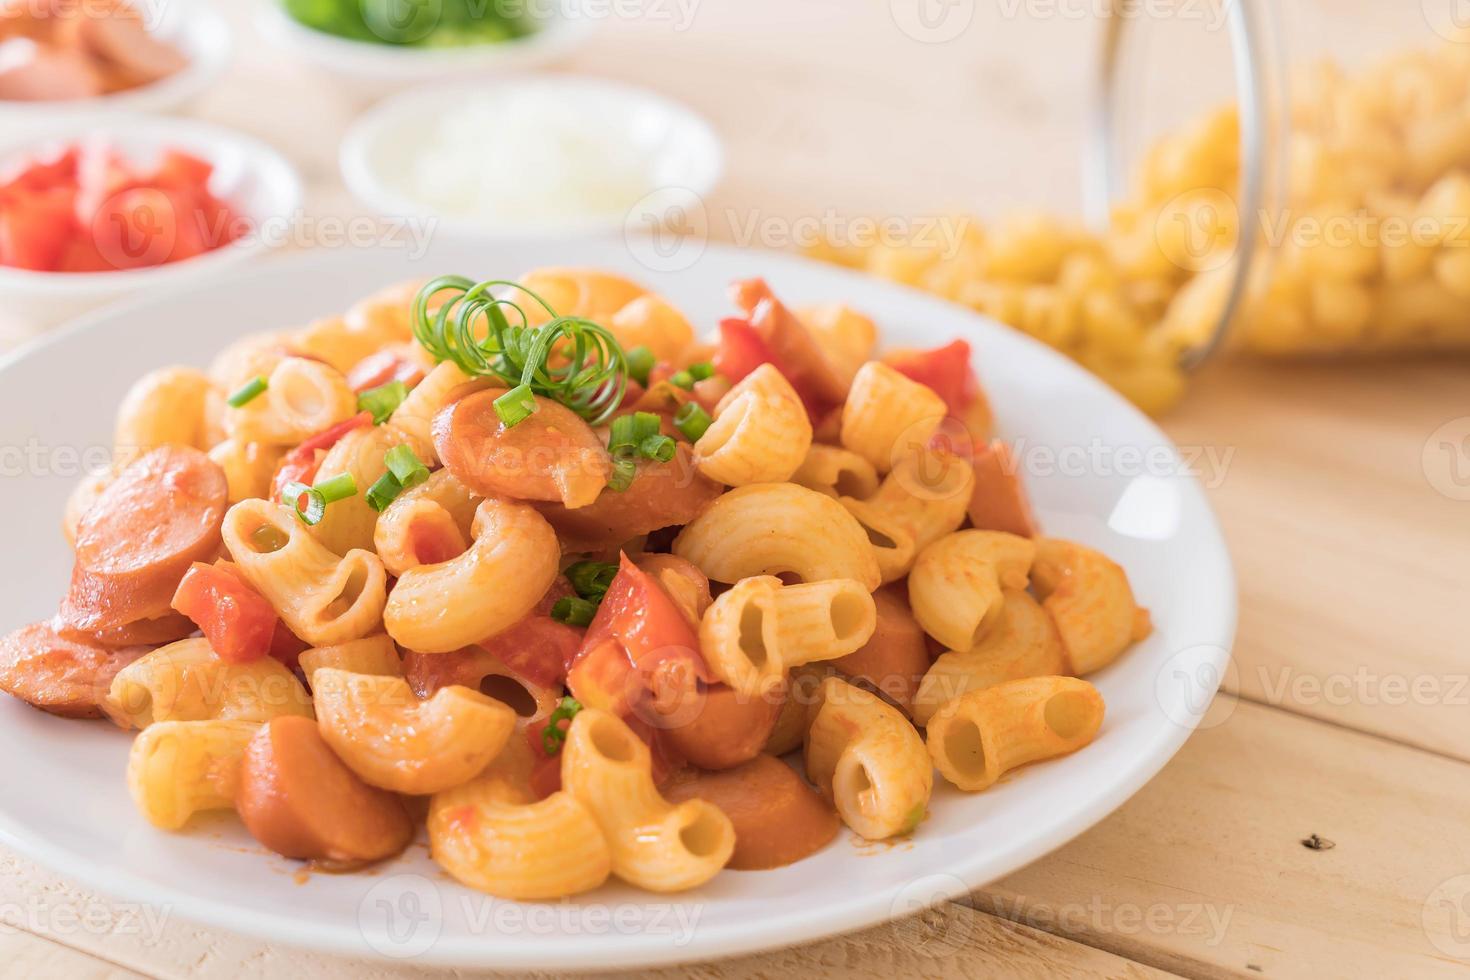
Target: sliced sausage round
x: 301, y: 801
x: 62, y: 676
x: 134, y: 544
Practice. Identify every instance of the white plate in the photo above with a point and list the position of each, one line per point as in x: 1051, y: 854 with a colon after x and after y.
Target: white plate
x: 64, y: 802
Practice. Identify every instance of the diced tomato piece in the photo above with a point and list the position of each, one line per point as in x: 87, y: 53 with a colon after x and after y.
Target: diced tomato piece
x: 238, y: 622
x: 378, y: 369
x: 637, y: 632
x: 136, y: 228
x: 947, y: 370
x: 741, y: 349
x: 539, y: 648
x: 35, y: 229
x: 101, y: 174
x: 300, y: 464
x: 180, y: 169
x: 793, y: 349
x: 81, y: 255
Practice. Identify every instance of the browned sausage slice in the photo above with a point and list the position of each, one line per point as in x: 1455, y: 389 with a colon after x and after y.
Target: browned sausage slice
x: 896, y: 657
x: 553, y: 455
x: 297, y: 798
x: 778, y: 818
x: 55, y: 674
x: 134, y: 544
x: 999, y: 502
x: 712, y: 726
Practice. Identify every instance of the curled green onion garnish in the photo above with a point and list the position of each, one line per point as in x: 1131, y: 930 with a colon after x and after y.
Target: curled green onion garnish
x: 384, y: 491
x: 702, y: 371
x: 405, y: 467
x: 659, y: 448
x: 553, y: 735
x: 640, y: 364
x: 624, y: 470
x: 383, y: 400
x: 247, y: 392
x: 573, y: 611
x: 568, y: 359
x: 692, y: 420
x: 314, y: 508
x: 591, y: 578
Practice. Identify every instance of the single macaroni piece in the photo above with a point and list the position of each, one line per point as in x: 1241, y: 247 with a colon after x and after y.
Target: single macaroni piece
x: 760, y: 434
x: 866, y: 758
x: 845, y: 336
x: 655, y: 844
x: 1091, y: 602
x: 249, y: 467
x: 758, y: 630
x: 186, y: 681
x: 302, y: 397
x: 397, y: 742
x: 369, y: 655
x: 480, y: 670
x: 486, y: 590
x: 324, y: 598
x: 649, y: 321
x: 439, y: 388
x: 887, y: 415
x: 349, y: 523
x: 166, y: 407
x: 381, y: 320
x: 589, y: 293
x: 1023, y: 643
x: 179, y: 768
x: 495, y: 836
x: 977, y: 737
x: 922, y: 499
x: 837, y: 472
x: 440, y: 513
x: 772, y: 528
x: 252, y: 356
x: 955, y: 586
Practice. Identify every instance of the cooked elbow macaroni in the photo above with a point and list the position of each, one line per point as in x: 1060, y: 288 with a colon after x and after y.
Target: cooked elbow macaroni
x: 655, y: 844
x: 754, y: 633
x: 867, y: 759
x: 533, y: 668
x: 979, y: 736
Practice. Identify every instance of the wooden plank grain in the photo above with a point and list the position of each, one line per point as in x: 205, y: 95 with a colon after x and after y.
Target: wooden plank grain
x: 1349, y: 523
x: 1205, y: 871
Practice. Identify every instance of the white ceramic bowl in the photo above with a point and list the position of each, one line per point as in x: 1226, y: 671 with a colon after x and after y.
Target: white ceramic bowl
x: 261, y: 186
x: 197, y: 31
x: 683, y: 150
x: 1099, y: 472
x: 375, y: 70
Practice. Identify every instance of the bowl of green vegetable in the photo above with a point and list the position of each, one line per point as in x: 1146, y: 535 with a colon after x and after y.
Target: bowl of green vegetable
x: 380, y: 46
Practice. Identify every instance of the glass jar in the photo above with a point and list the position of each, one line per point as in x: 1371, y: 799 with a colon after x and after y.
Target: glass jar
x: 1281, y: 177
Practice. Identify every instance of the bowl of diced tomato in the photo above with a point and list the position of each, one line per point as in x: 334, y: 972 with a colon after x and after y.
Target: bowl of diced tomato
x: 104, y: 207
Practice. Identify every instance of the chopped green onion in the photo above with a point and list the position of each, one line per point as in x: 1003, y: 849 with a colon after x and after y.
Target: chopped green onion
x: 624, y: 471
x: 383, y: 492
x: 316, y: 502
x: 702, y: 371
x: 692, y: 420
x: 553, y: 735
x: 516, y: 405
x: 682, y: 379
x: 657, y: 447
x: 640, y: 363
x: 591, y: 578
x: 383, y: 400
x: 406, y: 467
x: 248, y: 392
x: 573, y: 611
x: 339, y: 487
x: 629, y: 431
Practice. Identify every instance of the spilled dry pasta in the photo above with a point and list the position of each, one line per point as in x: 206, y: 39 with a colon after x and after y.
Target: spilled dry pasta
x: 530, y: 551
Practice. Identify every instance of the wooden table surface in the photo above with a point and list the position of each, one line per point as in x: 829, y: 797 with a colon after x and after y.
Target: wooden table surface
x: 1345, y: 500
